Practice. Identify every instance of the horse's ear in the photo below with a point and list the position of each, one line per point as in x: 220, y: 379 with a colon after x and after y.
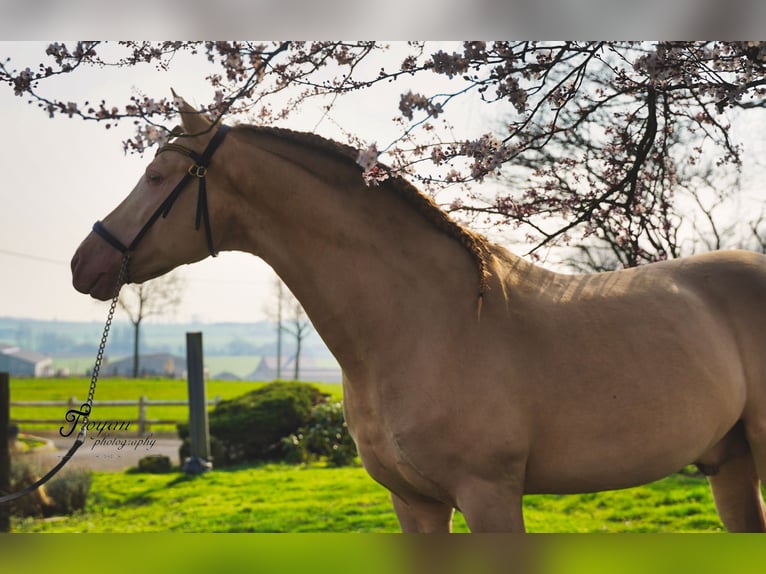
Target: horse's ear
x: 193, y: 120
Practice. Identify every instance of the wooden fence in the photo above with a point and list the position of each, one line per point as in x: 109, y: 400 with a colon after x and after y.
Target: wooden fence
x: 142, y: 421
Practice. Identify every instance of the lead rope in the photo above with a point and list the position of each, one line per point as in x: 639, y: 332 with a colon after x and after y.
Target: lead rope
x: 73, y: 415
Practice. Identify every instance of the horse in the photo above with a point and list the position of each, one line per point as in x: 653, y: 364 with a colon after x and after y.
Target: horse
x: 471, y: 376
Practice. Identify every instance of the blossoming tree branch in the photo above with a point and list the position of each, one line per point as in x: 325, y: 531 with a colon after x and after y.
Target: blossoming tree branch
x: 596, y: 141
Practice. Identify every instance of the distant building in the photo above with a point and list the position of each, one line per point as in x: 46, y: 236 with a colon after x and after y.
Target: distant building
x: 225, y: 376
x: 310, y: 370
x: 20, y: 363
x: 150, y: 365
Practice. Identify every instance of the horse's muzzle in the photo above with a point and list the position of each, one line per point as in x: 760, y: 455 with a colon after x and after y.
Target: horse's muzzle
x: 95, y: 268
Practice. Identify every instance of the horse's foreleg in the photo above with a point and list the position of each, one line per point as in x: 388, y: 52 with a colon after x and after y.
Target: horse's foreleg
x: 422, y: 515
x: 491, y: 507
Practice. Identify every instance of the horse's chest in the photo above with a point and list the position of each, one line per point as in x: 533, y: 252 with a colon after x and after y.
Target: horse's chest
x: 385, y: 455
x: 396, y: 469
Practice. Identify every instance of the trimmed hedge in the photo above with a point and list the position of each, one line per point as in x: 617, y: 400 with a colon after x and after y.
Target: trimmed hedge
x: 250, y: 427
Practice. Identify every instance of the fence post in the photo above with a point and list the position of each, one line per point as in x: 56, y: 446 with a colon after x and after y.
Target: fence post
x: 199, y: 435
x: 142, y: 415
x: 5, y: 452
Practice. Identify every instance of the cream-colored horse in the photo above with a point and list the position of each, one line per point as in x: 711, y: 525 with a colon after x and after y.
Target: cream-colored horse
x: 473, y: 377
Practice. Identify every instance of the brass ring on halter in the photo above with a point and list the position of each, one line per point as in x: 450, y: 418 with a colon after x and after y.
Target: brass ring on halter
x: 197, y: 170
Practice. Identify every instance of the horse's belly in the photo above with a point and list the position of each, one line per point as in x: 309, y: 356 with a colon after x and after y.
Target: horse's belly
x: 615, y: 460
x: 576, y: 478
x: 629, y: 417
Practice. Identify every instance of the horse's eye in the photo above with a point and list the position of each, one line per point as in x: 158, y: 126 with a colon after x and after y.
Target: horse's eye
x: 153, y: 178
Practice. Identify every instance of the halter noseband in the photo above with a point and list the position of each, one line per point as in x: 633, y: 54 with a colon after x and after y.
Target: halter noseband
x: 198, y: 170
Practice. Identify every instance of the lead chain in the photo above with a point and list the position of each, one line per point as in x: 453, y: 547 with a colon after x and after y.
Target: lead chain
x: 121, y: 276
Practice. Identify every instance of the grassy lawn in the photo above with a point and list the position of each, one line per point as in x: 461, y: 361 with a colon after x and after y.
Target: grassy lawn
x: 314, y: 498
x: 678, y: 503
x: 109, y: 389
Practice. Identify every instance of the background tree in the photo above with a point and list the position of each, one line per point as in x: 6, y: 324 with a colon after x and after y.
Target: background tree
x: 275, y: 312
x: 290, y: 317
x: 281, y: 292
x: 596, y: 144
x: 149, y: 299
x: 715, y: 218
x: 299, y: 326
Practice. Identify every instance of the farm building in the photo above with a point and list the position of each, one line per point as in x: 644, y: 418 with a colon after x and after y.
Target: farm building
x: 310, y: 370
x: 150, y: 365
x: 20, y: 363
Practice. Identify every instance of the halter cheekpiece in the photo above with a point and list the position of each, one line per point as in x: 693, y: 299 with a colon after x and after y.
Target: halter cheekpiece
x: 197, y: 170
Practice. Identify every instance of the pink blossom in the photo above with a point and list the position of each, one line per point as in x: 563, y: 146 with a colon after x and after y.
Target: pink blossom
x: 367, y: 158
x: 449, y: 64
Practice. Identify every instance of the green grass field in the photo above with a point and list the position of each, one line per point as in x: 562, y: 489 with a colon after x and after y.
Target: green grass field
x: 315, y: 498
x: 109, y: 389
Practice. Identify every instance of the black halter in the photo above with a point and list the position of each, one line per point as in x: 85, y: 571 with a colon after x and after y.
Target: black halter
x: 198, y: 170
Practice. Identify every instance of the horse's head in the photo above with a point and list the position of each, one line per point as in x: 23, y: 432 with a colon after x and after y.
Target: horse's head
x: 166, y: 220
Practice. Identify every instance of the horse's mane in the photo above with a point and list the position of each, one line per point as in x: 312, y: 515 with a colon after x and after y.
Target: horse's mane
x: 476, y: 244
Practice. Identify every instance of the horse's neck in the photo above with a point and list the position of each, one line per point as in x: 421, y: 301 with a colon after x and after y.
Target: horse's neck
x: 372, y: 273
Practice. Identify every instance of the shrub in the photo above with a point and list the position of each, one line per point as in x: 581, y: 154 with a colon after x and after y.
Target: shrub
x: 154, y: 464
x: 250, y: 427
x: 65, y: 493
x: 69, y: 490
x: 37, y: 502
x: 294, y: 448
x: 325, y: 435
